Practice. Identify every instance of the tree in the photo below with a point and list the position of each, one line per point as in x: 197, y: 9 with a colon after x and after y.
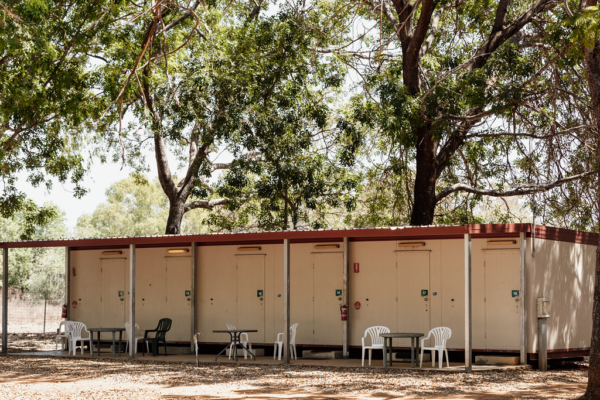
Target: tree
x: 46, y: 94
x: 214, y: 78
x: 133, y: 207
x: 36, y: 271
x: 452, y: 90
x: 586, y: 31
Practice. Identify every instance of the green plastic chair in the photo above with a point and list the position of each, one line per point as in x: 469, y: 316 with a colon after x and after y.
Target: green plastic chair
x: 164, y: 325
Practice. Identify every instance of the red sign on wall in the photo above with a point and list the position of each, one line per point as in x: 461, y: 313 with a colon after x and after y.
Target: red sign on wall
x: 356, y: 267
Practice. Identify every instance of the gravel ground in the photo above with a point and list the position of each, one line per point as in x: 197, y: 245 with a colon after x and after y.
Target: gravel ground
x: 68, y: 378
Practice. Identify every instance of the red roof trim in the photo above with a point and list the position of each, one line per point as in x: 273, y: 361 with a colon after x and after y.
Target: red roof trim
x: 335, y: 235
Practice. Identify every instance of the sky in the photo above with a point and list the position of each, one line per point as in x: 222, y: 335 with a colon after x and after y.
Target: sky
x: 97, y: 181
x: 100, y: 177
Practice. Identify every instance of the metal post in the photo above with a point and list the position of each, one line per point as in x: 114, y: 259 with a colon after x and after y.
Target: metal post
x: 542, y: 344
x: 286, y: 301
x: 468, y: 306
x: 523, y: 299
x: 533, y: 233
x: 68, y: 283
x: 5, y: 301
x: 132, y: 347
x: 345, y: 299
x: 45, y: 304
x: 193, y: 296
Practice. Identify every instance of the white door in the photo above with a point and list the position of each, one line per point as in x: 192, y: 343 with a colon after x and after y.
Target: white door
x: 412, y: 279
x: 328, y: 279
x: 113, y: 293
x: 179, y: 305
x: 502, y: 300
x: 151, y: 295
x: 250, y: 295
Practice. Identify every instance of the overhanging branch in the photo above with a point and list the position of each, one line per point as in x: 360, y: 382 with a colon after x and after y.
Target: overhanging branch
x: 530, y: 135
x: 206, y: 204
x: 520, y: 191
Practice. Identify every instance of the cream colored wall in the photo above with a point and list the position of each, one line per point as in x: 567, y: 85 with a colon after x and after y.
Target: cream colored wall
x: 151, y: 292
x: 478, y: 247
x: 216, y: 291
x: 564, y: 273
x: 561, y: 271
x: 85, y: 287
x: 151, y: 304
x: 216, y: 280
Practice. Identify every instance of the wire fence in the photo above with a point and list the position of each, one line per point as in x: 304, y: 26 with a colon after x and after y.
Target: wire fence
x: 32, y: 323
x: 33, y: 316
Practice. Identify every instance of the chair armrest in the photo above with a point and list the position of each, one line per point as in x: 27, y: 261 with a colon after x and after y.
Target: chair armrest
x: 424, y: 339
x: 245, y: 334
x: 148, y: 331
x: 278, y: 336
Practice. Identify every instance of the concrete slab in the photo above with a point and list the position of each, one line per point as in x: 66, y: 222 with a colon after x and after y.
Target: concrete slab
x: 300, y: 362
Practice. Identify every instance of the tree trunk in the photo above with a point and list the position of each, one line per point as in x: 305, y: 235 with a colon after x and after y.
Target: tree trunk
x: 425, y: 179
x: 176, y: 211
x: 592, y: 64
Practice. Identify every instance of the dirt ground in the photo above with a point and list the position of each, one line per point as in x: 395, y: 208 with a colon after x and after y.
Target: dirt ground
x: 23, y: 377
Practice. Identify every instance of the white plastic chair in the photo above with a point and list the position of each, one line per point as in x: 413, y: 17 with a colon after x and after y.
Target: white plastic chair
x: 246, y: 342
x: 62, y: 334
x: 137, y: 332
x: 279, y: 343
x: 75, y: 329
x: 441, y: 335
x: 377, y: 342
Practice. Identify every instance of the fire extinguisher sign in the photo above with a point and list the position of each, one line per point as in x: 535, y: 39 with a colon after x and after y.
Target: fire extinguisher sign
x: 338, y: 292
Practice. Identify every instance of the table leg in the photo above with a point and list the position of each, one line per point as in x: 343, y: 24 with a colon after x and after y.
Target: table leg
x: 245, y: 348
x: 121, y: 337
x: 98, y: 342
x: 91, y: 341
x: 225, y: 349
x: 113, y: 347
x: 412, y: 352
x: 391, y: 351
x: 385, y: 344
x: 236, y: 339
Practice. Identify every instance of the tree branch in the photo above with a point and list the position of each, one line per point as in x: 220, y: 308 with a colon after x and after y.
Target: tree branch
x: 498, y: 37
x: 523, y: 190
x: 206, y: 204
x: 530, y: 135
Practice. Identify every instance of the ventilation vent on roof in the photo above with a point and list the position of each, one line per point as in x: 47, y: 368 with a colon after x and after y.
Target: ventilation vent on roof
x: 411, y: 244
x: 111, y: 252
x: 252, y: 248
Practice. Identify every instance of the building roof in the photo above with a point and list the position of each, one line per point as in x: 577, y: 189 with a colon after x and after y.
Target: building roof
x: 320, y: 235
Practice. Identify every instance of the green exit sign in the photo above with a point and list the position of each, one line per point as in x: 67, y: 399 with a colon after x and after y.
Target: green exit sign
x: 424, y: 292
x: 259, y: 293
x: 188, y: 293
x: 515, y: 293
x: 338, y: 292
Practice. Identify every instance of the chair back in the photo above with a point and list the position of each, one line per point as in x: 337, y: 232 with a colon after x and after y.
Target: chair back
x: 231, y: 327
x: 441, y: 335
x: 74, y: 328
x: 293, y: 332
x: 374, y: 332
x: 164, y: 325
x: 62, y: 331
